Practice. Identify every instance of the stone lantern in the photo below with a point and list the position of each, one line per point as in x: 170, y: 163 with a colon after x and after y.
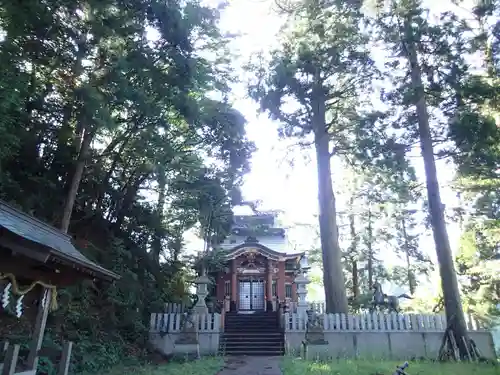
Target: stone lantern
x: 201, y: 282
x: 304, y: 264
x: 301, y: 280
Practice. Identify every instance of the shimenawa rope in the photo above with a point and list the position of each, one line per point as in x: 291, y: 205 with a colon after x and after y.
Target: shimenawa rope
x: 21, y: 292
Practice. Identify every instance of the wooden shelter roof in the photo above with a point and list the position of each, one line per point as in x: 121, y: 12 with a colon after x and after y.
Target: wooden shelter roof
x: 48, y: 244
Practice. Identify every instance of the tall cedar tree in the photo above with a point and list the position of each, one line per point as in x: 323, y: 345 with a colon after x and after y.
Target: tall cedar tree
x: 311, y: 85
x: 476, y: 135
x: 426, y: 60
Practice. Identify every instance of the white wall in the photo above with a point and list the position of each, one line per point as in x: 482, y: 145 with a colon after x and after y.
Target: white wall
x: 496, y: 338
x: 381, y: 345
x: 396, y: 336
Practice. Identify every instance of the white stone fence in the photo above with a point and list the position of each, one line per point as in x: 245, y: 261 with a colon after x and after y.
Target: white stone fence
x: 379, y: 336
x: 295, y: 322
x: 171, y: 322
x: 165, y: 330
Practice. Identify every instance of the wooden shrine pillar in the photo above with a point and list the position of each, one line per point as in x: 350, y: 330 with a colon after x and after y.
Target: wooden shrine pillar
x: 280, y: 285
x: 269, y: 285
x: 41, y: 321
x: 234, y: 286
x: 10, y: 360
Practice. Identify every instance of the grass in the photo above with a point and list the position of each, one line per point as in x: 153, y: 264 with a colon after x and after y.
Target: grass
x: 204, y: 366
x: 296, y: 366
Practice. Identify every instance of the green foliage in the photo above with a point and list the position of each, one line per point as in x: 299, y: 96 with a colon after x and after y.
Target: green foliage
x: 206, y: 365
x: 88, y: 101
x: 478, y: 265
x: 322, y: 53
x: 475, y: 133
x: 377, y: 225
x: 211, y: 261
x: 109, y: 323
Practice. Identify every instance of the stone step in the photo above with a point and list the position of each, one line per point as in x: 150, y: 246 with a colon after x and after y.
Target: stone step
x: 242, y: 331
x: 256, y: 315
x: 236, y: 339
x: 256, y: 344
x: 253, y: 334
x: 252, y: 316
x: 252, y: 328
x: 251, y: 325
x: 251, y: 313
x: 245, y: 319
x: 252, y: 322
x: 252, y: 352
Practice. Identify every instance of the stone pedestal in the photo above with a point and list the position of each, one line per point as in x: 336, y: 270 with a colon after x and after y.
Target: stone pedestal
x: 301, y: 281
x: 187, y: 343
x: 202, y: 292
x: 315, y: 346
x: 315, y: 336
x: 315, y: 351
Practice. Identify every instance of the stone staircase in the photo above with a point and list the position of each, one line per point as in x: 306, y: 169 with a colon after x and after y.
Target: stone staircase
x: 252, y: 334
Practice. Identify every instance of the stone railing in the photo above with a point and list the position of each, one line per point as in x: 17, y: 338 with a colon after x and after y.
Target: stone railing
x: 171, y: 323
x: 377, y: 322
x: 390, y: 336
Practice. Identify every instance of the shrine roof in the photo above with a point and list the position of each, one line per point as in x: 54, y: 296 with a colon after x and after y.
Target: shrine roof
x: 264, y: 250
x: 55, y: 244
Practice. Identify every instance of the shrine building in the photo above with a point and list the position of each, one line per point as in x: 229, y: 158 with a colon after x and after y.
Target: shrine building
x: 259, y: 271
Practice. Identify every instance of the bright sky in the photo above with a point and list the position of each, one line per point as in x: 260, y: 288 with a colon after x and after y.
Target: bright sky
x: 271, y: 180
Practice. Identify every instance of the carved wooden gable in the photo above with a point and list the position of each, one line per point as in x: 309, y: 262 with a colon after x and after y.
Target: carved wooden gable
x: 251, y: 261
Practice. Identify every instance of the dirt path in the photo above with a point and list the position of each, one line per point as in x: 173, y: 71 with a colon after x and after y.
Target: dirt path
x: 245, y: 365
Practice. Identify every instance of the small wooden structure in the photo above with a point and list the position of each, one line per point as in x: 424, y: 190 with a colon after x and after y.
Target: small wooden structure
x: 35, y: 256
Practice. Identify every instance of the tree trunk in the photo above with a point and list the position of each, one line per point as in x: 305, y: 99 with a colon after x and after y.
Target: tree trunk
x: 333, y: 276
x: 451, y: 293
x: 353, y: 252
x: 409, y: 272
x: 370, y: 251
x: 355, y: 281
x: 64, y: 147
x: 158, y: 235
x: 130, y: 191
x: 75, y: 181
x: 106, y: 182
